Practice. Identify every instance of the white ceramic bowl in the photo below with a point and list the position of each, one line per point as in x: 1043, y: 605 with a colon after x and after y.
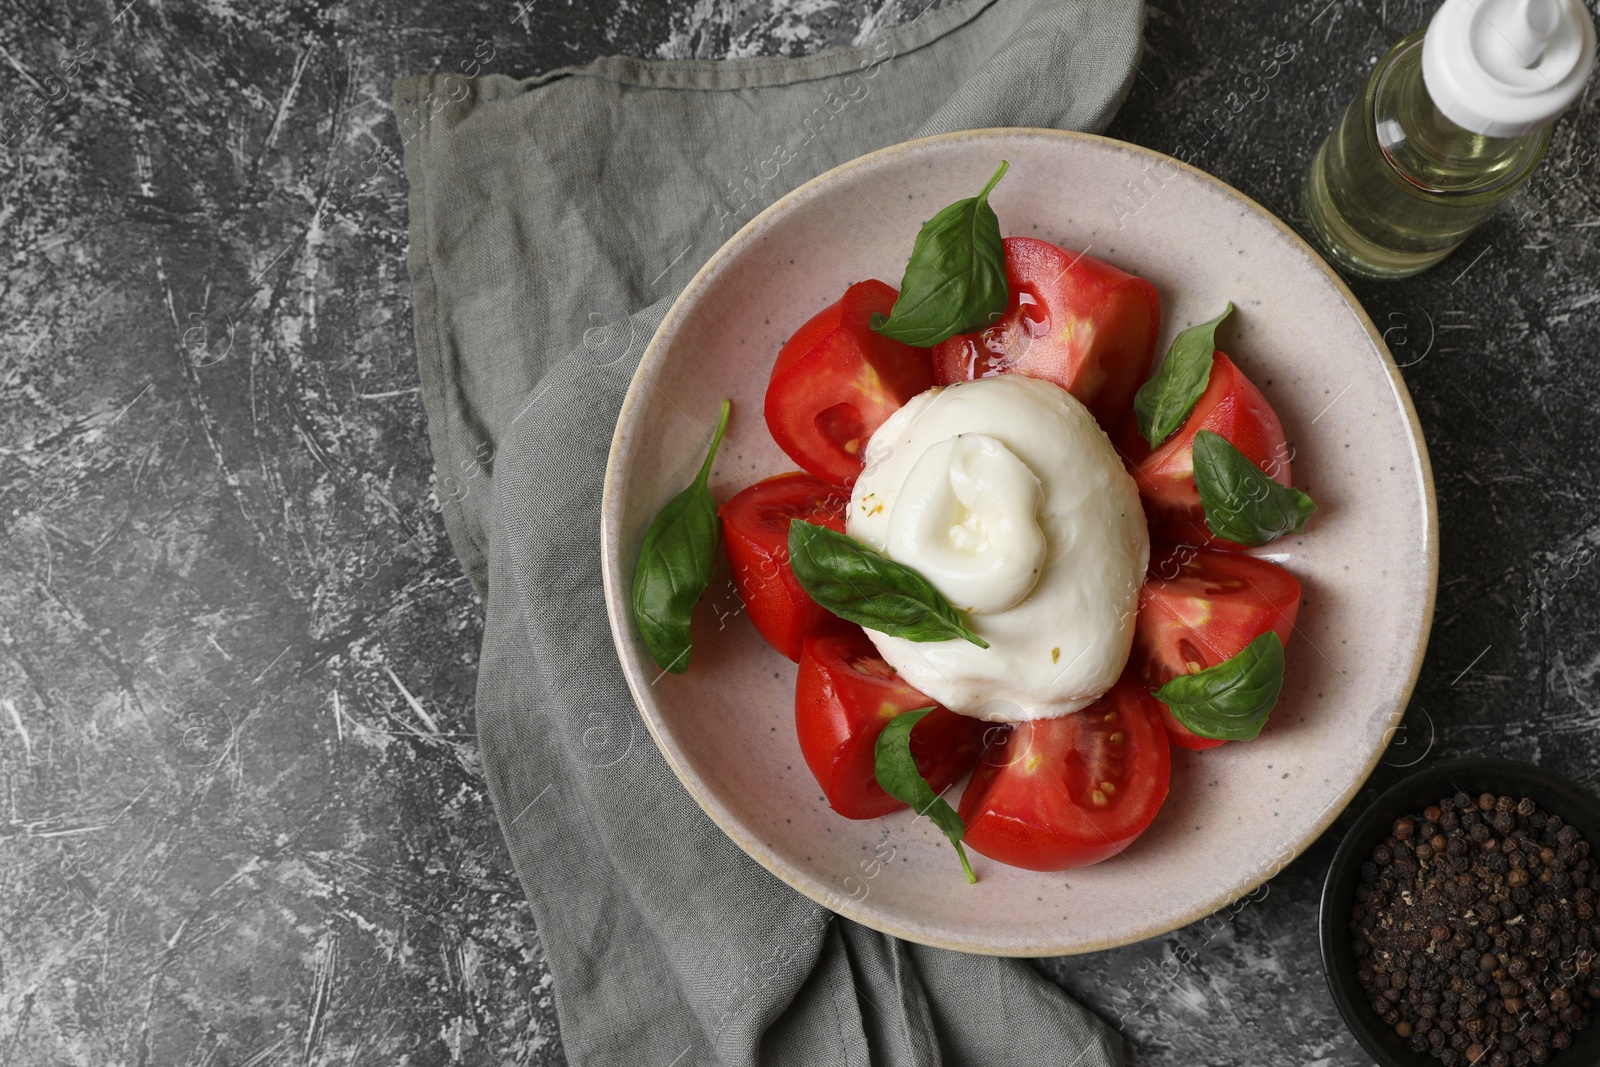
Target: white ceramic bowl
x: 1368, y: 563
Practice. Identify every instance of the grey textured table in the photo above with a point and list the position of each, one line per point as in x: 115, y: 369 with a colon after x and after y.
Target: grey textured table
x: 242, y: 821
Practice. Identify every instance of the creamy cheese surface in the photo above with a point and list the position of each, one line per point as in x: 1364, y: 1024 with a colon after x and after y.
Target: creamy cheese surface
x: 1007, y: 496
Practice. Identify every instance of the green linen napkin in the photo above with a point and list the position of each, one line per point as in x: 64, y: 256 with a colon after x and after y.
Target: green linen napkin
x: 552, y: 222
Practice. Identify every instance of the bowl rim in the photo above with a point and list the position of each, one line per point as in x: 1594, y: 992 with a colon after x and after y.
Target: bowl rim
x: 650, y: 366
x: 1338, y: 888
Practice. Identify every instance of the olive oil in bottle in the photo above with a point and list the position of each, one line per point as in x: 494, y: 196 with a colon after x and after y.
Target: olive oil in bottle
x: 1451, y: 121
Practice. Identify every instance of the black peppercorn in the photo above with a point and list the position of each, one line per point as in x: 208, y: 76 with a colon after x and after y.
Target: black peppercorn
x: 1479, y: 955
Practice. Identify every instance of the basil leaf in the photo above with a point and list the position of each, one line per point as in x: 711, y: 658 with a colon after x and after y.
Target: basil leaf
x: 897, y: 773
x: 1230, y: 701
x: 861, y: 586
x: 1241, y: 502
x: 1165, y: 400
x: 956, y: 279
x: 675, y: 564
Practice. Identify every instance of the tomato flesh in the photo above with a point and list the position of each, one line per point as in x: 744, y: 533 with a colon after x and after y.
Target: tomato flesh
x: 836, y: 381
x: 1198, y: 609
x: 1068, y: 792
x: 844, y: 696
x: 1072, y: 320
x: 1231, y: 407
x: 755, y: 529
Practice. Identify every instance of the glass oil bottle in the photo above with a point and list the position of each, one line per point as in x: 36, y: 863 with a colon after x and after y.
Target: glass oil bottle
x: 1451, y: 121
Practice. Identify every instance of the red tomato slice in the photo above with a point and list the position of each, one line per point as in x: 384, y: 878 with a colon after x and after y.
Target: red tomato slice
x: 755, y: 529
x: 1072, y: 320
x: 1198, y: 609
x: 1231, y: 407
x: 844, y: 696
x: 1072, y: 791
x: 836, y: 381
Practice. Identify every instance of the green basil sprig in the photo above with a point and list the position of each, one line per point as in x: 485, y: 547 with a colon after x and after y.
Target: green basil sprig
x: 675, y: 564
x: 1242, y: 504
x: 1231, y: 701
x: 898, y: 775
x: 861, y: 586
x: 1165, y: 400
x: 956, y: 279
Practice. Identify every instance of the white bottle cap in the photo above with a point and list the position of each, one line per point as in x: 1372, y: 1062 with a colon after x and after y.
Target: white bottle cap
x: 1504, y: 68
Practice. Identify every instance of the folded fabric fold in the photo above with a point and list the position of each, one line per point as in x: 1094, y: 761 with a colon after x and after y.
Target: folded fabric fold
x: 552, y: 222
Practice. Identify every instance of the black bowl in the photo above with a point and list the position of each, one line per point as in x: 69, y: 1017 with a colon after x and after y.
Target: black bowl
x: 1556, y: 795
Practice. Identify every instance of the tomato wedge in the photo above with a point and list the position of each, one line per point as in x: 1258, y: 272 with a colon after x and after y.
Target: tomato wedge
x: 1231, y: 407
x: 836, y: 381
x: 1072, y: 791
x: 755, y: 529
x: 1072, y: 320
x: 844, y: 696
x: 1198, y: 609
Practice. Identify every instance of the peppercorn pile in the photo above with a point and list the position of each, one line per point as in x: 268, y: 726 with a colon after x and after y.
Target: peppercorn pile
x: 1475, y: 934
